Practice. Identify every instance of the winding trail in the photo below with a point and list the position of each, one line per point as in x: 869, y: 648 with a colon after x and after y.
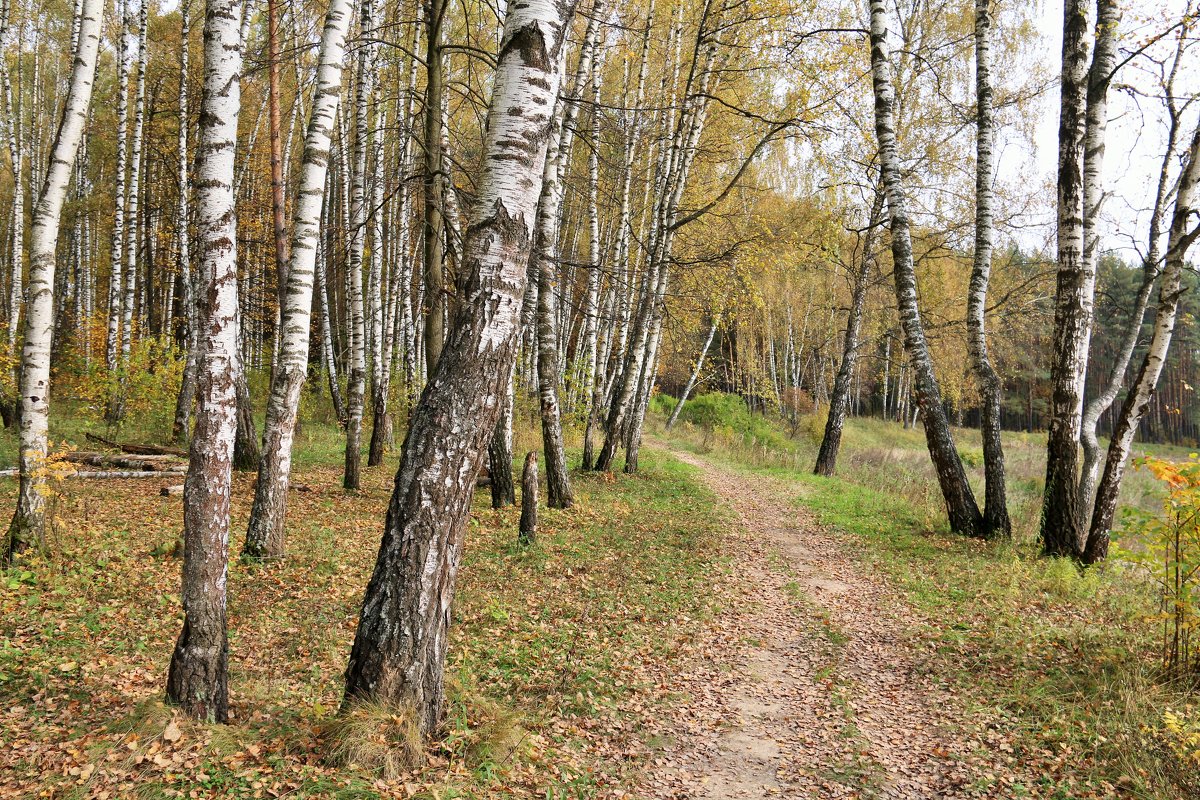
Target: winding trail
x: 808, y: 686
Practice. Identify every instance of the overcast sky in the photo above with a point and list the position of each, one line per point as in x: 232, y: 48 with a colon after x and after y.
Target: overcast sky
x: 1136, y: 133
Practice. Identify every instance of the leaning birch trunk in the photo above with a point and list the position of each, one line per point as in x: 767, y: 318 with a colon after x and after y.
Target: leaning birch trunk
x: 187, y: 385
x: 1182, y: 236
x: 1099, y: 78
x: 961, y: 509
x: 695, y: 376
x: 1060, y: 533
x: 356, y: 385
x: 29, y: 522
x: 996, y: 522
x: 399, y: 652
x: 197, y: 678
x: 839, y: 401
x: 265, y: 536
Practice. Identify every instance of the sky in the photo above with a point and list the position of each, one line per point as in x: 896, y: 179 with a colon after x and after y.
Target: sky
x: 1136, y: 133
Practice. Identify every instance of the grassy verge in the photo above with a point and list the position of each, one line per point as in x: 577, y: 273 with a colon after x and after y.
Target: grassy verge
x: 552, y: 692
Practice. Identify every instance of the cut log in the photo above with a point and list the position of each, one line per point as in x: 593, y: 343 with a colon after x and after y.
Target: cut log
x: 138, y: 449
x: 140, y: 463
x: 12, y: 473
x: 171, y: 491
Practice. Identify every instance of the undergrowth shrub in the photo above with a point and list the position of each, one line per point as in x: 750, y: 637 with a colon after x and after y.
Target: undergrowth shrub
x: 152, y: 377
x: 1165, y: 546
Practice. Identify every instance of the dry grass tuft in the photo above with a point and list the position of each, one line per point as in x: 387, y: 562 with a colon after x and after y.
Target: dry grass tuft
x: 482, y: 730
x: 376, y: 738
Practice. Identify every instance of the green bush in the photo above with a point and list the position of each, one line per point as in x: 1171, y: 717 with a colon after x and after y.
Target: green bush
x: 662, y: 404
x: 717, y: 409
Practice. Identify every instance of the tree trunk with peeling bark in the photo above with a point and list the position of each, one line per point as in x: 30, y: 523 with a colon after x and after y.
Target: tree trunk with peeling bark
x: 399, y: 649
x: 996, y: 523
x: 197, y: 679
x: 961, y: 508
x: 839, y: 401
x: 1060, y: 532
x: 29, y: 521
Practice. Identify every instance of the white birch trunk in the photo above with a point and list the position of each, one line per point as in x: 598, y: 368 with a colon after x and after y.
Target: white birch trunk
x: 29, y: 521
x: 1060, y: 531
x: 399, y: 652
x: 961, y: 509
x: 197, y: 678
x: 187, y: 386
x: 265, y: 536
x: 116, y: 252
x: 1183, y: 235
x: 996, y: 522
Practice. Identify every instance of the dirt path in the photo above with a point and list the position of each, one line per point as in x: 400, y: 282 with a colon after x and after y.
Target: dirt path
x: 808, y: 687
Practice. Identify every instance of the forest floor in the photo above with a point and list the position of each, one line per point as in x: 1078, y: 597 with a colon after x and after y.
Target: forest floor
x: 721, y: 625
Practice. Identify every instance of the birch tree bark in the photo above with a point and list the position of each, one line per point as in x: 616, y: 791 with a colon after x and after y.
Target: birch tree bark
x: 1183, y: 235
x: 544, y: 264
x: 265, y: 536
x: 434, y: 275
x: 356, y: 385
x: 996, y: 522
x: 1060, y: 532
x: 12, y: 125
x: 29, y: 522
x: 1099, y: 77
x: 399, y: 649
x: 187, y: 384
x: 961, y: 509
x: 839, y: 401
x: 115, y: 294
x: 132, y: 219
x: 274, y: 125
x: 197, y: 679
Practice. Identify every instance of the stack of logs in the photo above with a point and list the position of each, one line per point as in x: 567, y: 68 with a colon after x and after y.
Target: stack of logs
x: 132, y: 461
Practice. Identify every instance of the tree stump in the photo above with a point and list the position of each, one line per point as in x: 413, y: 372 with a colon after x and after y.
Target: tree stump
x: 529, y: 499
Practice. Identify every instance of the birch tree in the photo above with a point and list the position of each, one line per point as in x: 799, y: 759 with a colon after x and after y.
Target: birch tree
x: 29, y: 522
x: 399, y: 651
x: 187, y: 384
x: 961, y: 509
x: 1060, y: 531
x: 116, y: 294
x: 995, y: 508
x: 265, y: 536
x: 356, y: 385
x: 839, y: 400
x: 544, y: 264
x: 197, y: 679
x: 1182, y: 235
